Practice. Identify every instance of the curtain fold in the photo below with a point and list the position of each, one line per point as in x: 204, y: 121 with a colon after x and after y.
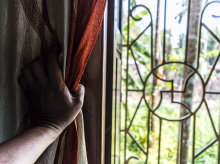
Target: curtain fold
x: 86, y: 23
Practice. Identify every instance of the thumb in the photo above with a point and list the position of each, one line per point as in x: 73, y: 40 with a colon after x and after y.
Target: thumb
x: 79, y: 93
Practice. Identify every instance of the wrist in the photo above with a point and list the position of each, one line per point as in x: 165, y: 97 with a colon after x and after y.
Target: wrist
x: 49, y: 130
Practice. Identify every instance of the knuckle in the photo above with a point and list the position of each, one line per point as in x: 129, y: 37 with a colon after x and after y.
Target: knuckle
x: 24, y: 69
x: 34, y: 63
x: 79, y: 101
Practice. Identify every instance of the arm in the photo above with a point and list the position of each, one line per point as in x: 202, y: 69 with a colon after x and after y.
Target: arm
x: 27, y: 146
x: 51, y: 108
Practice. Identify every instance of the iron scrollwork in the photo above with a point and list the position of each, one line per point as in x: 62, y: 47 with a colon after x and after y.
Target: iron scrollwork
x: 194, y: 72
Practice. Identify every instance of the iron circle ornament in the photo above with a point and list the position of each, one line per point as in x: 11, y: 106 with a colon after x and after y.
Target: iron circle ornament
x: 194, y: 72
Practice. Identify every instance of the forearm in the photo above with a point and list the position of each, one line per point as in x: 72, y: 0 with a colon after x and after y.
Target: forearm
x: 27, y: 146
x: 50, y: 106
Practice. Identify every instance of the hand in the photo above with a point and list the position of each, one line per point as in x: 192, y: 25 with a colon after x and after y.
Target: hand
x: 50, y: 103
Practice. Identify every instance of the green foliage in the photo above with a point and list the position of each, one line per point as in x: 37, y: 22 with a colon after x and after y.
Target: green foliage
x: 141, y: 14
x: 210, y: 54
x: 142, y: 54
x: 132, y: 23
x: 170, y: 130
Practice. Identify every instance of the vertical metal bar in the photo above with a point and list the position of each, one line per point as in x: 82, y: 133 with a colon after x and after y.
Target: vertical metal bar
x: 193, y: 139
x: 120, y: 109
x: 187, y: 31
x: 178, y: 145
x: 164, y: 33
x: 218, y: 153
x: 157, y: 31
x: 152, y: 58
x: 181, y: 142
x: 126, y: 99
x: 148, y: 134
x: 159, y: 141
x: 219, y: 132
x: 116, y: 89
x: 199, y: 42
x: 172, y: 89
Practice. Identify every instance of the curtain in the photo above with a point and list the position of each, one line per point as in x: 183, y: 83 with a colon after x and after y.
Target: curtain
x: 28, y: 28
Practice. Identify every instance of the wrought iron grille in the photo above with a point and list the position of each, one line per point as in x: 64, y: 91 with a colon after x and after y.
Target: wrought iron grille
x: 152, y: 109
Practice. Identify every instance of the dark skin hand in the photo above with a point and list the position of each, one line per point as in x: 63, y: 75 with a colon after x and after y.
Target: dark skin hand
x: 51, y: 109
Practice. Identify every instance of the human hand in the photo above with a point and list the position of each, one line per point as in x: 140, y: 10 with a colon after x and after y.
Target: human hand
x: 50, y: 103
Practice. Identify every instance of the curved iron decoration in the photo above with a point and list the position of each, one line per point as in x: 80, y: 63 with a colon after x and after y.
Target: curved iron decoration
x: 195, y: 71
x: 132, y: 157
x: 129, y: 48
x: 172, y: 90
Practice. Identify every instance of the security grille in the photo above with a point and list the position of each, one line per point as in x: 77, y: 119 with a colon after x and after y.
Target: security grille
x: 148, y: 87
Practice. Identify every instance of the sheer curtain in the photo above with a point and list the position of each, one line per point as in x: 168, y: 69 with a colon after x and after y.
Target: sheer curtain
x: 27, y: 30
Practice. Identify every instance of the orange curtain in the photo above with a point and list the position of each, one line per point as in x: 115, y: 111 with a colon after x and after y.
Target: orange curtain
x: 86, y: 22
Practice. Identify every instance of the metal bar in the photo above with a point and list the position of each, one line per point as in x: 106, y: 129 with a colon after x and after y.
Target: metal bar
x: 126, y: 98
x: 136, y: 66
x: 184, y: 106
x: 148, y: 134
x: 164, y: 33
x: 211, y: 92
x: 193, y: 139
x: 182, y: 118
x: 213, y: 67
x: 219, y: 132
x: 187, y: 31
x: 142, y: 149
x: 213, y: 35
x: 205, y: 148
x: 152, y: 58
x: 159, y: 141
x: 115, y: 109
x: 200, y: 27
x: 199, y: 43
x: 210, y: 117
x: 126, y: 130
x: 172, y: 92
x: 131, y: 157
x: 218, y: 153
x: 181, y: 143
x: 141, y: 34
x: 157, y: 37
x: 135, y: 113
x: 177, y: 152
x: 154, y: 110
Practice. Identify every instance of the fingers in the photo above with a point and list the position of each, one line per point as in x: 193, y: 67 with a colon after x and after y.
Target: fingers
x: 22, y: 83
x: 28, y: 76
x: 39, y: 71
x: 53, y: 68
x: 34, y: 75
